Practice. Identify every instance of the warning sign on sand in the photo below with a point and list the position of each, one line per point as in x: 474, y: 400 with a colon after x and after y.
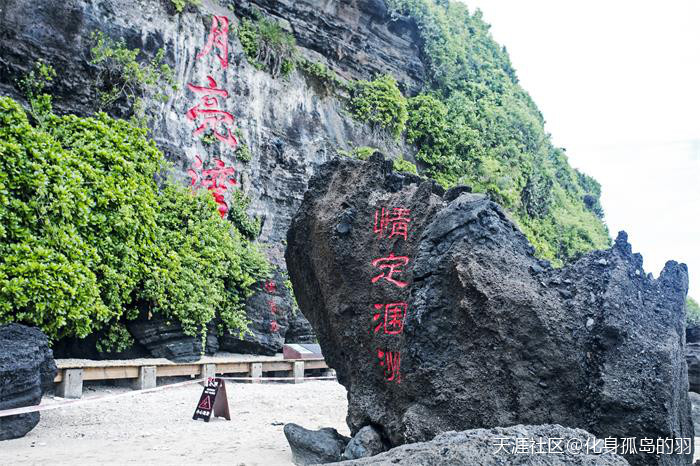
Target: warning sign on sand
x: 213, y: 401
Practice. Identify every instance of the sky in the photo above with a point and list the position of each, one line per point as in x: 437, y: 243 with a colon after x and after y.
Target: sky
x: 618, y: 83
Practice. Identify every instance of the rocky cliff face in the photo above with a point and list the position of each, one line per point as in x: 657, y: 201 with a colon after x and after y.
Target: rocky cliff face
x: 289, y: 127
x: 290, y: 124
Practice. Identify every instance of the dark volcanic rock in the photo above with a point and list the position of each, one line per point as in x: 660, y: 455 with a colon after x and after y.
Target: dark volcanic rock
x: 27, y: 370
x: 483, y: 447
x: 492, y: 336
x: 165, y: 339
x: 367, y: 442
x: 86, y: 348
x: 692, y: 357
x: 300, y: 329
x: 268, y: 309
x: 314, y: 446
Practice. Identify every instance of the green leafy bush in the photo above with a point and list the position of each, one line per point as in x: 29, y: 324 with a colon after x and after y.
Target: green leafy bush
x: 33, y: 86
x: 692, y: 312
x: 402, y: 165
x: 180, y: 5
x: 328, y: 78
x: 87, y: 237
x: 475, y: 125
x: 267, y: 46
x: 121, y: 76
x: 360, y: 153
x: 380, y: 103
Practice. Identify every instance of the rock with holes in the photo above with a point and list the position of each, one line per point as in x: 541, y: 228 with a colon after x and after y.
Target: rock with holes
x: 367, y: 442
x: 27, y: 370
x: 437, y: 316
x: 496, y: 447
x: 314, y: 446
x: 268, y: 310
x: 167, y: 339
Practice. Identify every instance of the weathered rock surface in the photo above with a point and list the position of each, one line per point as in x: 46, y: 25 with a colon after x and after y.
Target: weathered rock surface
x: 692, y: 358
x: 492, y: 336
x: 289, y: 127
x: 27, y: 370
x: 268, y: 309
x: 695, y: 403
x: 314, y: 446
x: 367, y: 442
x: 300, y: 329
x: 167, y: 339
x: 483, y: 447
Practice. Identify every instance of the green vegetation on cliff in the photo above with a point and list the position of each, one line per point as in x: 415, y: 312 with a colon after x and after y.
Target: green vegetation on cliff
x: 474, y: 124
x: 692, y: 312
x: 88, y: 239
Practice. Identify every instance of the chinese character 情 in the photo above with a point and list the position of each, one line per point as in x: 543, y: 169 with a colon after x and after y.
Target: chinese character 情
x: 398, y: 222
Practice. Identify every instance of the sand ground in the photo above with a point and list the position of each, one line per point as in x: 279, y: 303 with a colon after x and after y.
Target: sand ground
x: 157, y: 428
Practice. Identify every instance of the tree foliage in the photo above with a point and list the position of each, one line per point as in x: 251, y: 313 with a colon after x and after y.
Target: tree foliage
x: 474, y: 124
x: 380, y: 103
x: 692, y: 312
x: 87, y: 237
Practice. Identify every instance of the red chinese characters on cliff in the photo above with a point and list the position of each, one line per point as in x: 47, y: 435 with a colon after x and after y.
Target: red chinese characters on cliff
x: 395, y: 223
x: 209, y: 115
x: 391, y: 362
x: 388, y: 319
x: 218, y: 39
x: 271, y: 288
x: 217, y: 180
x: 390, y: 266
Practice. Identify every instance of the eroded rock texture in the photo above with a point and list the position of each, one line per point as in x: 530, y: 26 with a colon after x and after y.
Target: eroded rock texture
x: 167, y: 339
x: 492, y: 336
x: 483, y: 447
x: 27, y: 370
x: 269, y: 309
x: 314, y: 446
x: 290, y: 125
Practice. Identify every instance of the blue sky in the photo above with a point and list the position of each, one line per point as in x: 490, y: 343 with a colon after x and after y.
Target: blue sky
x: 619, y: 86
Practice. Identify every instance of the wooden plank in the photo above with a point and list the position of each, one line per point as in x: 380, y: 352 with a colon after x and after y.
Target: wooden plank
x: 179, y: 370
x: 110, y: 373
x: 276, y: 366
x: 233, y: 368
x: 315, y: 364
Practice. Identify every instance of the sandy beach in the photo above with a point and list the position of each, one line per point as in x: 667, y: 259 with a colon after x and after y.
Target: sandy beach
x: 157, y: 428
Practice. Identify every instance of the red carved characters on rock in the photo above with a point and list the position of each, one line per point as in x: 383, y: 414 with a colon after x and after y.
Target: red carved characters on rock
x: 217, y: 180
x: 391, y: 266
x: 389, y: 317
x: 274, y: 326
x: 391, y: 362
x: 212, y: 116
x: 218, y: 38
x: 396, y: 223
x: 270, y: 287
